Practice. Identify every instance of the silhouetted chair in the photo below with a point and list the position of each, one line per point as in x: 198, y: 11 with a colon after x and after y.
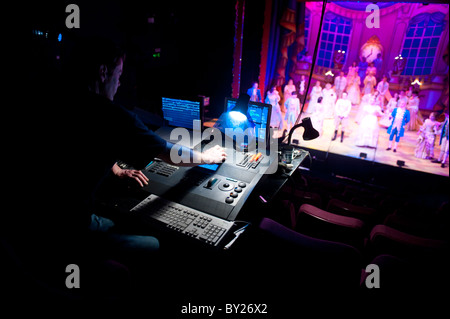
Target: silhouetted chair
x: 422, y: 227
x: 389, y: 204
x: 340, y: 207
x: 387, y: 240
x: 309, y: 261
x: 315, y: 222
x: 300, y: 197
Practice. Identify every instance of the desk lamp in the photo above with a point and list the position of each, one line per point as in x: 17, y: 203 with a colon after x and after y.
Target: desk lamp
x: 310, y: 132
x: 239, y: 112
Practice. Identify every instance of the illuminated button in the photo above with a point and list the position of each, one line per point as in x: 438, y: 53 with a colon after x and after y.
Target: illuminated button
x: 234, y: 194
x: 238, y: 189
x: 229, y: 200
x: 226, y: 185
x: 242, y: 184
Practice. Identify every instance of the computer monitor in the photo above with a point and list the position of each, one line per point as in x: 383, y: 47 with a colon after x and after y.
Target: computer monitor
x: 259, y: 115
x: 182, y: 112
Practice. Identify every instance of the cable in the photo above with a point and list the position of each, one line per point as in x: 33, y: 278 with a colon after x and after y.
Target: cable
x: 237, y: 233
x: 243, y: 221
x: 316, y: 48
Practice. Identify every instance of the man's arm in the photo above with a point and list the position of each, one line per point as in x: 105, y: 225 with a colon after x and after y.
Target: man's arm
x: 183, y: 156
x: 137, y: 175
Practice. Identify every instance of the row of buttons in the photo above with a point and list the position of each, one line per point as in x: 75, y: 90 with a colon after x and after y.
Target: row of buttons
x: 162, y: 169
x: 234, y: 194
x: 212, y: 234
x: 202, y: 221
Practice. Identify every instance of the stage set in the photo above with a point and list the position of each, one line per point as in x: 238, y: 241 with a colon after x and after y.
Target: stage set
x: 405, y: 42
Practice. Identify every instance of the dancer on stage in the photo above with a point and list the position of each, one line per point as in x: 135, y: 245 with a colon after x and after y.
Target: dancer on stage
x: 342, y: 110
x: 353, y: 90
x: 329, y: 100
x: 367, y: 99
x: 383, y: 88
x: 316, y: 92
x: 413, y: 106
x: 443, y: 155
x: 318, y: 116
x: 368, y: 128
x: 409, y: 92
x: 340, y: 83
x: 352, y: 70
x: 292, y: 106
x: 378, y: 64
x: 402, y: 96
x: 255, y: 93
x: 392, y: 104
x: 371, y: 70
x: 288, y: 89
x: 400, y: 117
x: 369, y: 84
x: 302, y: 85
x: 273, y: 98
x: 362, y: 68
x: 427, y: 138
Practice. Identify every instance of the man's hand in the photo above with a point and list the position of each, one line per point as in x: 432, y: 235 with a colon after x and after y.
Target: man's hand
x: 215, y: 154
x: 138, y: 176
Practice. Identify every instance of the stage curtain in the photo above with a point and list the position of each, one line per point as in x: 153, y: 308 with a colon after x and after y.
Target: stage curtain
x: 286, y: 40
x: 436, y: 17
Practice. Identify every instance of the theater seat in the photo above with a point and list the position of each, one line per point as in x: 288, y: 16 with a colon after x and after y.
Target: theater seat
x: 300, y: 197
x: 428, y: 228
x: 387, y: 240
x: 366, y: 214
x: 310, y: 261
x: 313, y: 221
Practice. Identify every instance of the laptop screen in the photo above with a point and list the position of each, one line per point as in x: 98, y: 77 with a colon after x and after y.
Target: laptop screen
x: 181, y: 113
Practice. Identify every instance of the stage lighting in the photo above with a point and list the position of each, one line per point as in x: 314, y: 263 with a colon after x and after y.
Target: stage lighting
x: 400, y: 163
x: 238, y: 116
x: 239, y: 112
x: 363, y: 155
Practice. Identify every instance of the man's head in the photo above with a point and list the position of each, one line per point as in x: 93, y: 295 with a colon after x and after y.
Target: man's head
x: 109, y: 80
x: 402, y: 104
x: 97, y: 65
x: 433, y: 116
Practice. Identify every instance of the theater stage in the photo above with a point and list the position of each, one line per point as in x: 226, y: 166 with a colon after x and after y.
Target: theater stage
x: 405, y: 150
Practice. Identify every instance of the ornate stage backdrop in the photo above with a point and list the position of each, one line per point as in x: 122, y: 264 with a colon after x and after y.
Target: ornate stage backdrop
x: 413, y: 40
